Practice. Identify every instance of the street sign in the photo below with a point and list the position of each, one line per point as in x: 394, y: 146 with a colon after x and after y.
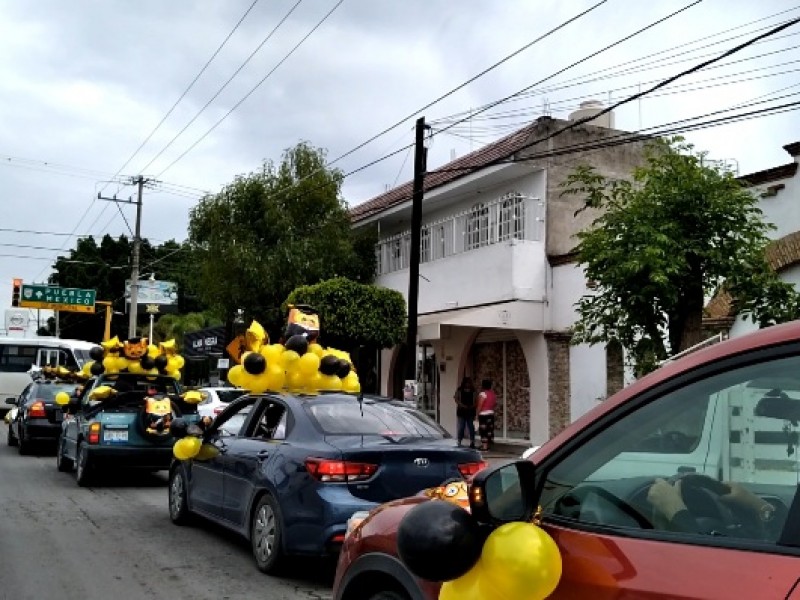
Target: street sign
x: 236, y: 348
x: 57, y: 298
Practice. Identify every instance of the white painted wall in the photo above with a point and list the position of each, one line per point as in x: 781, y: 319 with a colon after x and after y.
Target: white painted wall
x: 782, y: 210
x: 566, y: 287
x: 587, y: 378
x: 513, y: 270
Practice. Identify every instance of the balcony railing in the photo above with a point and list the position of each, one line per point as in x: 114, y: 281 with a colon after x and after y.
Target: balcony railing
x: 512, y: 217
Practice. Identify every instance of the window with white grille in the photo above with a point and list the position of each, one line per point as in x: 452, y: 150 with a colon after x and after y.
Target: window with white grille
x: 425, y: 245
x: 511, y: 218
x: 477, y: 227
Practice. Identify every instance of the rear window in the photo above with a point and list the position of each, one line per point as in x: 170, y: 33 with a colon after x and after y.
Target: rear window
x: 229, y: 395
x: 48, y: 391
x: 346, y: 417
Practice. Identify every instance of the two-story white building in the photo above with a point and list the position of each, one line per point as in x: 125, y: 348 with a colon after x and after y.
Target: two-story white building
x: 778, y: 191
x: 498, y: 277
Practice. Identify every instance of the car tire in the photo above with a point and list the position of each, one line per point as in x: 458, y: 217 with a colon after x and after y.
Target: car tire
x: 266, y: 536
x: 12, y: 441
x: 178, y: 505
x: 83, y: 466
x: 23, y: 446
x: 389, y: 595
x: 63, y: 463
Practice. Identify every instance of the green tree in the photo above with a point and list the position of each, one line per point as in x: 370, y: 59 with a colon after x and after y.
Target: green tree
x: 171, y: 326
x: 105, y: 267
x: 271, y: 231
x: 665, y: 242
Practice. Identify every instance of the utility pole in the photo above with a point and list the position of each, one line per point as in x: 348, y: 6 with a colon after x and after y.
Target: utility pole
x: 420, y: 165
x: 137, y: 240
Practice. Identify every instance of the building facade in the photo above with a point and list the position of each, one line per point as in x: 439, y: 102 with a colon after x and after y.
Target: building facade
x: 778, y: 191
x: 498, y: 277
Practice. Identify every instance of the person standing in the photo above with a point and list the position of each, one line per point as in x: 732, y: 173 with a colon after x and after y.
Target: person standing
x: 465, y: 411
x: 487, y: 403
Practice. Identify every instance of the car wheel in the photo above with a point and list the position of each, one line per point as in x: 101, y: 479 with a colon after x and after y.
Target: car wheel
x: 83, y: 468
x: 266, y: 536
x: 12, y: 441
x: 22, y: 445
x: 178, y: 506
x: 63, y: 463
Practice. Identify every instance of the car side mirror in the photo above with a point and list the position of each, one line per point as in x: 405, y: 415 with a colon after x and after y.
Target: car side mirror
x: 11, y: 401
x: 505, y: 493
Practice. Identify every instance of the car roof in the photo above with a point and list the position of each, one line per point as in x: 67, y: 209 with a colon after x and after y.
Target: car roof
x: 775, y: 335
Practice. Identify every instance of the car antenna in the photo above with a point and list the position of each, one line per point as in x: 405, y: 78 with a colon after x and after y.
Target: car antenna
x: 361, y: 402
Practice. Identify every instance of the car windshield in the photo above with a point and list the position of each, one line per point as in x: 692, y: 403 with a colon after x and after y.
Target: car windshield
x: 345, y: 415
x: 81, y: 356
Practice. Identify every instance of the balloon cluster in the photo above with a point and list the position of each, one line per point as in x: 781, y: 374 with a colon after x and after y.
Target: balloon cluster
x: 298, y: 365
x: 136, y: 356
x: 440, y: 541
x: 188, y: 436
x: 61, y: 373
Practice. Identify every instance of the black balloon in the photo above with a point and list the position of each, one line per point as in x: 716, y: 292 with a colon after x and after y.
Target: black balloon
x: 293, y: 329
x: 178, y: 428
x: 344, y: 368
x: 329, y: 365
x: 97, y: 368
x: 298, y: 343
x: 254, y: 363
x: 439, y: 541
x: 96, y: 353
x: 147, y: 362
x: 160, y: 362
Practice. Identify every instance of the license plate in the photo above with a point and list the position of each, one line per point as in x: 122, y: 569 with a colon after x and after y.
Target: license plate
x: 115, y: 435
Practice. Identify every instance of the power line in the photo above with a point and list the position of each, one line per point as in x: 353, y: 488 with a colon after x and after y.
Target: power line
x: 248, y: 94
x: 222, y: 88
x: 186, y: 91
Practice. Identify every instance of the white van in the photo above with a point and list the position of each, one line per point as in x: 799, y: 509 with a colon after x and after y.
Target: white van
x: 19, y: 355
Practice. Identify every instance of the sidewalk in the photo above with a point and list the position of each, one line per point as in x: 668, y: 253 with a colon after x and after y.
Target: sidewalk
x: 501, y: 453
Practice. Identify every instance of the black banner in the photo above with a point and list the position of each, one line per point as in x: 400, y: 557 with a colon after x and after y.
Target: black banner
x: 204, y: 342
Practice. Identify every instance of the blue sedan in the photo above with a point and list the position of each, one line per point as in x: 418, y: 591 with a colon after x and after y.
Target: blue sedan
x: 287, y: 472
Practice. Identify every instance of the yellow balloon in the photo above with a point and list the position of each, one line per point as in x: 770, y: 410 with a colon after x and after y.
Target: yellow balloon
x: 272, y: 353
x: 288, y: 357
x: 192, y: 397
x: 519, y: 561
x: 257, y: 384
x: 294, y: 381
x: 134, y: 366
x: 193, y: 444
x: 316, y: 349
x: 466, y: 587
x: 276, y: 377
x: 308, y: 364
x: 183, y: 449
x: 62, y: 398
x: 236, y: 375
x: 179, y: 362
x: 122, y: 363
x: 329, y: 383
x: 153, y: 351
x: 174, y: 374
x: 110, y: 364
x: 351, y: 384
x: 207, y: 452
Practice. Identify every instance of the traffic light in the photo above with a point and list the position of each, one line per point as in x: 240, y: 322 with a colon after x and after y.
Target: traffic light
x: 15, y: 292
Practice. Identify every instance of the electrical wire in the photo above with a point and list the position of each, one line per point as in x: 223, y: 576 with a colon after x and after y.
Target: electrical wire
x: 248, y: 94
x: 188, y: 88
x: 222, y: 88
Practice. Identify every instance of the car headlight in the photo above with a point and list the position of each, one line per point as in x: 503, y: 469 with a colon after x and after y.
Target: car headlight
x: 355, y: 521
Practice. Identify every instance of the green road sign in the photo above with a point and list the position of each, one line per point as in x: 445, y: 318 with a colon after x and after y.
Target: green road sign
x: 57, y: 298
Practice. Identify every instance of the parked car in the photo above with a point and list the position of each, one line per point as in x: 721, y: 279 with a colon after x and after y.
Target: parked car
x: 37, y: 417
x: 112, y: 425
x: 287, y: 472
x: 715, y: 434
x: 216, y: 399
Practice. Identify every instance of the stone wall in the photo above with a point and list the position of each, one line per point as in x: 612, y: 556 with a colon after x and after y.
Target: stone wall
x: 558, y: 367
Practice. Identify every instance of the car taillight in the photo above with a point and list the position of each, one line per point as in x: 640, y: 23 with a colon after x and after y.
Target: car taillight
x: 338, y: 471
x: 37, y: 409
x: 94, y: 433
x: 468, y: 470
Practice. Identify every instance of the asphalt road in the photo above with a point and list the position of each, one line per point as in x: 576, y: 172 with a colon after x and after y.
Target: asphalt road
x: 115, y: 541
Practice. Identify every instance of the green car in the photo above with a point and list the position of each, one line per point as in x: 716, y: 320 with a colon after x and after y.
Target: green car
x: 121, y: 421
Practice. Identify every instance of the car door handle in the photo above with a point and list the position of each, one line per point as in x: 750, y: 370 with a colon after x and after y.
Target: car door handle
x: 262, y: 454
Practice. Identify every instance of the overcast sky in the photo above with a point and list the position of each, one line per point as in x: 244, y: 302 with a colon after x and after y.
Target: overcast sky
x: 84, y: 82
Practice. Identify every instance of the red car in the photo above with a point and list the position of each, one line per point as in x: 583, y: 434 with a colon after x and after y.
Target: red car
x: 683, y: 485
